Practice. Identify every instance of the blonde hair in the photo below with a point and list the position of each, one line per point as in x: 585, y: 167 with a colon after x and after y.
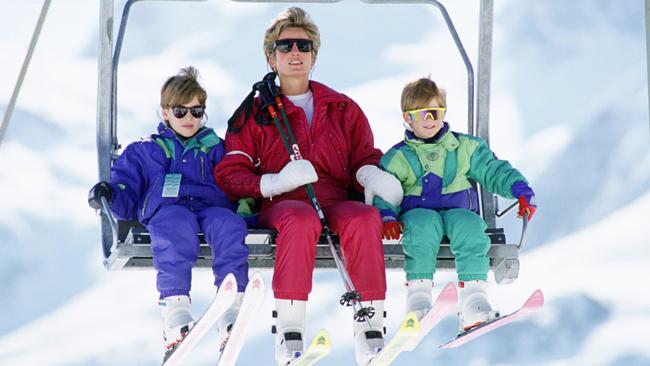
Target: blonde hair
x: 181, y: 88
x: 418, y: 94
x: 290, y: 18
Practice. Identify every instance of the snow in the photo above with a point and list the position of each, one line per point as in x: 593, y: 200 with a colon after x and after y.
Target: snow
x: 569, y: 108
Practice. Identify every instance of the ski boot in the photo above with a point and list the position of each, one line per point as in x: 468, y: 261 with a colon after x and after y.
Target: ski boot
x: 419, y: 298
x: 289, y: 330
x: 227, y: 320
x: 369, y: 335
x: 473, y: 306
x: 177, y: 320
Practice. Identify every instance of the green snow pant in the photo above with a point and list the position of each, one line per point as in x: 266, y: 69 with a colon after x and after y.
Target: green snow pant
x: 423, y: 230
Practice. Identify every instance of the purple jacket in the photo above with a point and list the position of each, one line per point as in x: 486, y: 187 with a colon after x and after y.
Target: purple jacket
x: 139, y: 174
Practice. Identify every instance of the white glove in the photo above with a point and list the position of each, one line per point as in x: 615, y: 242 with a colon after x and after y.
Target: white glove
x: 295, y: 174
x: 377, y: 182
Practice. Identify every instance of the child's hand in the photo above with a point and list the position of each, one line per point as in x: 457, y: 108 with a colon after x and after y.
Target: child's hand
x: 527, y: 204
x: 101, y: 189
x: 526, y: 198
x: 392, y: 229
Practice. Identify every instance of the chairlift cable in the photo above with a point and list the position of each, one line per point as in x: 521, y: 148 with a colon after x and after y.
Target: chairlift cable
x: 19, y: 83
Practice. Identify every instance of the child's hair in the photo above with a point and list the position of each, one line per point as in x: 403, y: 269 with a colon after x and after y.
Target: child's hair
x: 290, y: 18
x: 181, y: 88
x: 418, y: 94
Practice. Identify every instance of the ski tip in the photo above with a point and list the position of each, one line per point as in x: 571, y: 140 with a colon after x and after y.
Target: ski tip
x: 256, y: 281
x: 322, y: 340
x: 449, y: 294
x: 410, y: 324
x: 230, y: 277
x: 535, y: 300
x: 228, y: 284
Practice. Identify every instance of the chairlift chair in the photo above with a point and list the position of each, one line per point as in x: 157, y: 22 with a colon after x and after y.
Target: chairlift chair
x: 126, y: 244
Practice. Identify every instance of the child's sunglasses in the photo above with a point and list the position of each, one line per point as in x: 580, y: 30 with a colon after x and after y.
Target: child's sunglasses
x: 285, y: 45
x: 196, y: 111
x: 419, y: 115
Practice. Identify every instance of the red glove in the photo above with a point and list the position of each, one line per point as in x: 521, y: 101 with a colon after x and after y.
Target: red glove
x: 392, y: 230
x: 526, y: 204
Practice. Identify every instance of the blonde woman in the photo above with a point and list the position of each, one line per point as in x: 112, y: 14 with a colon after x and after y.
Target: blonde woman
x: 338, y: 152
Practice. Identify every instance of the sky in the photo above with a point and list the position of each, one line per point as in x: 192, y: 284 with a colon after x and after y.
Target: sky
x: 569, y: 108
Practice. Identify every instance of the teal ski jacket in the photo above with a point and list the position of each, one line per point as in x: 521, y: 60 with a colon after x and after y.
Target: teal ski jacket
x: 440, y: 173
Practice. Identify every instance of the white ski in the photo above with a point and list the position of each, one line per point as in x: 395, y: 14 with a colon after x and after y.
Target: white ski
x: 222, y: 301
x: 253, y: 297
x: 320, y: 347
x: 444, y: 304
x: 408, y: 330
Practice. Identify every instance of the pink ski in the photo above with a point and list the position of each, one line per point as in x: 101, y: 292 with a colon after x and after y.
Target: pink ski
x: 534, y: 303
x: 223, y: 300
x: 445, y: 303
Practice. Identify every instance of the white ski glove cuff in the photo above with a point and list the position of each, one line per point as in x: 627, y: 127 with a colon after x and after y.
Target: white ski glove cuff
x: 295, y: 174
x: 269, y: 185
x: 377, y: 182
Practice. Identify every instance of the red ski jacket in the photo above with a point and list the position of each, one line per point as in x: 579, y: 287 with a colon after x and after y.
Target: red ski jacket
x: 338, y: 143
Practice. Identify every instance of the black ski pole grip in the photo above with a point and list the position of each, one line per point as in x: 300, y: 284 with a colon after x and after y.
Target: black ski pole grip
x: 267, y: 89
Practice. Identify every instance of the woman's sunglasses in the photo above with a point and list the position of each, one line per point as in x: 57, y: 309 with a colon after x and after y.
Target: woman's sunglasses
x: 196, y: 111
x: 285, y: 45
x: 419, y: 115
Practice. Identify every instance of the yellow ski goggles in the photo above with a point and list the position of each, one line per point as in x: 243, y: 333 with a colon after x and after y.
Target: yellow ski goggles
x: 419, y: 115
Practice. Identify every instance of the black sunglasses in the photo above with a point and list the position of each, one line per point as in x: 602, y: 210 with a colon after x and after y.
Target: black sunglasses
x: 196, y: 111
x: 285, y: 45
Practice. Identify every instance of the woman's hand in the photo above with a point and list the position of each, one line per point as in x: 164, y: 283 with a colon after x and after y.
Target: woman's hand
x: 295, y: 174
x: 377, y: 182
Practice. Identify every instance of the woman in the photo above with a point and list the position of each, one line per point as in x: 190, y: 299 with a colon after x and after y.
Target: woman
x: 338, y: 152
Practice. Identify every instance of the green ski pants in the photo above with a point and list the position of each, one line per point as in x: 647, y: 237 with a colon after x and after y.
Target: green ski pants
x: 423, y: 230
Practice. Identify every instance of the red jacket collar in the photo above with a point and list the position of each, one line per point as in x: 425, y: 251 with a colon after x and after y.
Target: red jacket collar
x: 322, y: 95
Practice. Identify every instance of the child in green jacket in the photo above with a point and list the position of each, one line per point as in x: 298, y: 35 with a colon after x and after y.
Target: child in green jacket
x: 436, y: 167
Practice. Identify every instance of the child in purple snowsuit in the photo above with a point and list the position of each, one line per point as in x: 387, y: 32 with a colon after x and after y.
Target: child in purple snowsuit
x: 165, y: 181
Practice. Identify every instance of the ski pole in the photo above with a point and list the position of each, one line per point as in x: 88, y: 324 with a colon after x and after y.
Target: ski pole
x: 351, y: 296
x: 271, y: 98
x: 312, y: 195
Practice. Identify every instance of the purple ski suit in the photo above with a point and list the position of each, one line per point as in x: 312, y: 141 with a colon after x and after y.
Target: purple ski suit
x: 167, y: 184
